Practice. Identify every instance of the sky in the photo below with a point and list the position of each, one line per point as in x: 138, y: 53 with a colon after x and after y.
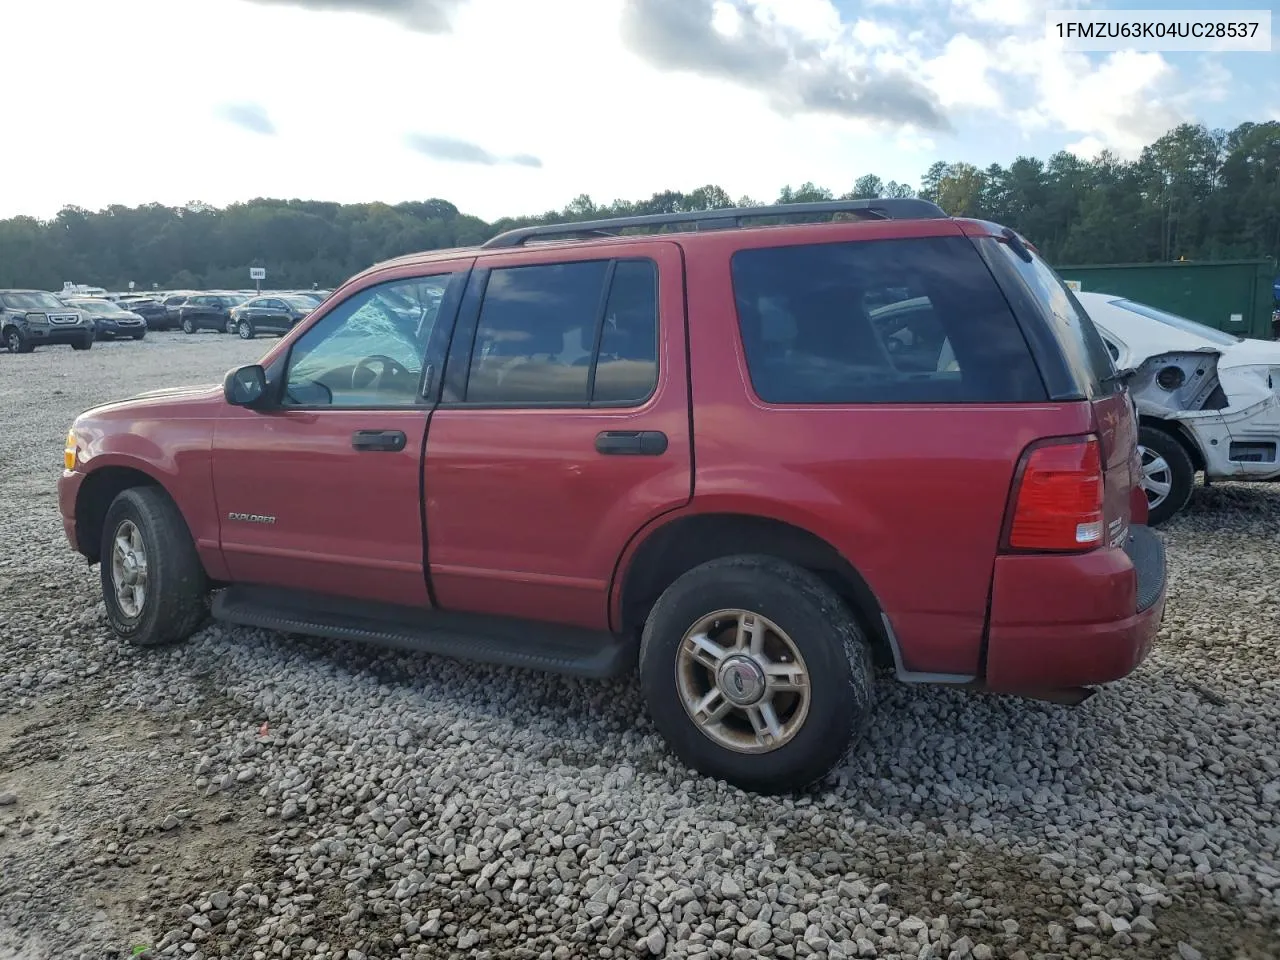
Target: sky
x: 509, y: 107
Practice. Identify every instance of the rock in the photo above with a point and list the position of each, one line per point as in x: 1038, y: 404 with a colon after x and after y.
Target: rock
x: 8, y: 798
x: 1187, y: 952
x: 656, y: 941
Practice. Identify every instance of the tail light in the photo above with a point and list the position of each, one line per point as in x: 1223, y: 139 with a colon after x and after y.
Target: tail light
x: 1058, y: 504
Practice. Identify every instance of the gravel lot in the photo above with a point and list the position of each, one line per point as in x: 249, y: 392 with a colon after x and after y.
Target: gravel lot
x: 252, y: 795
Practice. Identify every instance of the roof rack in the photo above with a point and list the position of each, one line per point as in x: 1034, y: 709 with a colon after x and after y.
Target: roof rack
x: 883, y: 209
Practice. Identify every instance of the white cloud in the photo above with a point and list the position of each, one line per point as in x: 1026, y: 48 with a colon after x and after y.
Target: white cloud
x: 960, y: 76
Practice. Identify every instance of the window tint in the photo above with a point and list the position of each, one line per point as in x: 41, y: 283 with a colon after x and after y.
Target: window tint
x: 889, y: 321
x: 369, y: 350
x: 536, y: 334
x: 627, y: 368
x: 1076, y: 331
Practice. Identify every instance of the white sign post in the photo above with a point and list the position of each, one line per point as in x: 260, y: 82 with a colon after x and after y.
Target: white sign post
x: 130, y: 284
x: 257, y: 275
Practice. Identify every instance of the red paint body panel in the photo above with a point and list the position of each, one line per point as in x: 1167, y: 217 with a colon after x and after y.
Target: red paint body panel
x: 169, y: 437
x: 524, y: 517
x: 914, y: 496
x: 347, y: 523
x: 1064, y: 621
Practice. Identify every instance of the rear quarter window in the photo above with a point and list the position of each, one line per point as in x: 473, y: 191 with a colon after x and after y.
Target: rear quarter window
x: 883, y: 321
x: 1086, y: 350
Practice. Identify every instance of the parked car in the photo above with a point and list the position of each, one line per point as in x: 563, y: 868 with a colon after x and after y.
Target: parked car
x: 33, y: 318
x: 173, y: 308
x: 276, y: 314
x: 149, y: 308
x: 207, y: 311
x: 111, y: 320
x: 689, y: 453
x: 1208, y: 400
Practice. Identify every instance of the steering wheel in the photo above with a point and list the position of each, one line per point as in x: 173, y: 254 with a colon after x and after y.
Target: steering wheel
x: 377, y: 368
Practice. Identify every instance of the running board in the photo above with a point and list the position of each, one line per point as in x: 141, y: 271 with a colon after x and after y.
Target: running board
x: 506, y: 641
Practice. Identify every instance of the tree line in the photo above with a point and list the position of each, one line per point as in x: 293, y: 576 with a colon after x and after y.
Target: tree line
x: 1196, y: 193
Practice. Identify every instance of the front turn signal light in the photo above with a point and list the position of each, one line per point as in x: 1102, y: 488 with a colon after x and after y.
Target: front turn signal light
x: 71, y: 451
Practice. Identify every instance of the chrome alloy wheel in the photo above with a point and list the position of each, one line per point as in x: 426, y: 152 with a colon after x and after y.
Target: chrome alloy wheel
x: 1157, y: 477
x: 129, y: 569
x: 742, y: 681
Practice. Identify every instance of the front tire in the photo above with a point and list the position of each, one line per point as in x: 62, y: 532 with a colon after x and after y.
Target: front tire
x: 755, y: 672
x: 139, y: 336
x: 17, y: 341
x: 1168, y: 475
x: 245, y: 330
x: 153, y: 584
x: 85, y: 344
x: 188, y: 326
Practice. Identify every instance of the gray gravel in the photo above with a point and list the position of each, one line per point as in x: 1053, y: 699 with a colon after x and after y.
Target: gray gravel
x: 251, y: 795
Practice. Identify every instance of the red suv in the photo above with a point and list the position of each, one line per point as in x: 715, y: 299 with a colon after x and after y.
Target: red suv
x: 749, y: 460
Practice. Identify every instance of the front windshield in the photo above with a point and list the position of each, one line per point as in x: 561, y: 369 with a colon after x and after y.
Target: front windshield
x: 1178, y: 323
x: 95, y: 306
x: 35, y: 300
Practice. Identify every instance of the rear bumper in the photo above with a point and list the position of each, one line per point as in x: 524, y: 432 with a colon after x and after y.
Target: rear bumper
x: 1066, y: 621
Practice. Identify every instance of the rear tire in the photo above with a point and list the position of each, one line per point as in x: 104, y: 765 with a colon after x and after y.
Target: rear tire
x: 1168, y: 475
x: 145, y: 531
x: 811, y: 644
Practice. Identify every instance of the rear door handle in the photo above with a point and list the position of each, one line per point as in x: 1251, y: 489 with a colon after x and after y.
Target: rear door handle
x: 374, y: 440
x: 631, y: 443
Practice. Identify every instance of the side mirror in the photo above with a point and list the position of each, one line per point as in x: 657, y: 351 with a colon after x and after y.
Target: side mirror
x: 245, y: 386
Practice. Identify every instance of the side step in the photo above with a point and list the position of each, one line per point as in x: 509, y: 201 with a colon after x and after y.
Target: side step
x: 500, y: 640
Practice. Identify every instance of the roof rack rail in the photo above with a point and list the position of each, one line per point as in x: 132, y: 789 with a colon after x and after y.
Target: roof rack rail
x: 888, y: 208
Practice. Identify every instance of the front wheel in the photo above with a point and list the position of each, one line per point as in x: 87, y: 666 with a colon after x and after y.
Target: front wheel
x: 755, y: 672
x: 84, y: 344
x: 139, y: 336
x: 188, y: 326
x: 17, y: 341
x: 153, y: 583
x: 1168, y: 474
x: 245, y: 329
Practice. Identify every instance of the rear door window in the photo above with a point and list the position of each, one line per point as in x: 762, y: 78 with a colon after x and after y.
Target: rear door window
x: 567, y: 334
x: 885, y: 321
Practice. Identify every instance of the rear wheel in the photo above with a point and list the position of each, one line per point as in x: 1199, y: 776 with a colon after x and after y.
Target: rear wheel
x: 755, y: 672
x: 1168, y: 474
x: 245, y: 329
x: 153, y: 583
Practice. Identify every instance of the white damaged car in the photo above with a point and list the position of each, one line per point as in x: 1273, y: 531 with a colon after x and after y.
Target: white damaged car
x: 1207, y: 400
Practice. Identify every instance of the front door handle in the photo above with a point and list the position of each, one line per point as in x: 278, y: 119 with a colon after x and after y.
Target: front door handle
x: 631, y: 443
x: 373, y: 440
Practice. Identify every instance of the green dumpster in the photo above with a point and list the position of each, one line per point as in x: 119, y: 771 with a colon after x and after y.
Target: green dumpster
x: 1232, y: 295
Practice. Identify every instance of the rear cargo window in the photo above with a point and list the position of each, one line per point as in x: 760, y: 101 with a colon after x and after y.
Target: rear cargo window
x: 884, y: 321
x: 1076, y: 331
